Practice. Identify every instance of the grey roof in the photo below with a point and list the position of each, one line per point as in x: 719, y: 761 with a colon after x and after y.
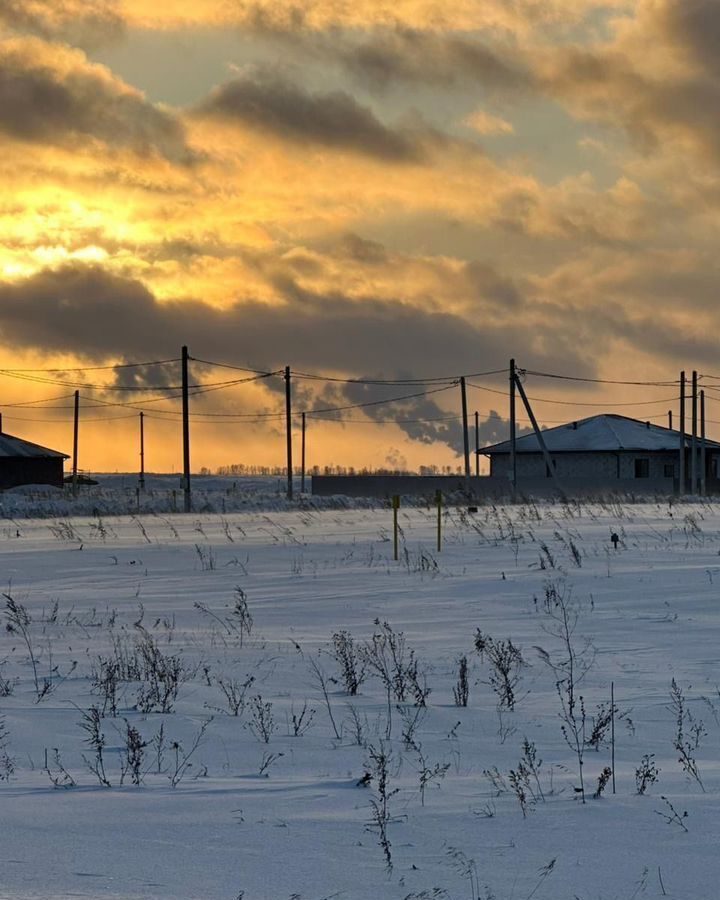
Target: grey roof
x: 603, y: 433
x: 13, y: 447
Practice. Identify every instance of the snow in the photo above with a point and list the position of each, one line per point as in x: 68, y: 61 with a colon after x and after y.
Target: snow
x: 300, y: 829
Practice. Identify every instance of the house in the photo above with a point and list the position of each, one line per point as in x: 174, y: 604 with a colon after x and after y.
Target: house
x: 603, y: 451
x: 22, y: 462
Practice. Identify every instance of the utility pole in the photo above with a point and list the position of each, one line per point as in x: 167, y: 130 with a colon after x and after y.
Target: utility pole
x: 693, y: 440
x: 186, y: 431
x: 538, y: 433
x: 288, y: 429
x: 477, y: 444
x: 466, y: 437
x: 681, y: 471
x: 703, y: 484
x: 76, y: 429
x: 141, y: 480
x: 513, y: 436
x: 302, y: 458
x: 670, y: 419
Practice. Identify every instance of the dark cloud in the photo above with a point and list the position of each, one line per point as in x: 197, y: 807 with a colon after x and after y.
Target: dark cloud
x: 382, y: 56
x: 81, y: 23
x: 64, y: 101
x: 86, y: 310
x: 267, y: 102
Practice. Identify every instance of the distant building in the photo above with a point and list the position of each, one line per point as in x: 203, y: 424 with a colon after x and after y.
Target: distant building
x: 604, y: 449
x: 22, y: 462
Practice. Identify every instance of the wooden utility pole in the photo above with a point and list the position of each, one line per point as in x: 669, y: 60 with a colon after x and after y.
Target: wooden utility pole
x: 186, y: 431
x: 681, y: 471
x: 703, y: 484
x: 466, y: 436
x: 302, y: 457
x: 513, y: 436
x: 0, y: 423
x: 538, y: 433
x: 670, y: 419
x: 141, y: 480
x: 477, y: 444
x: 288, y: 430
x: 693, y: 439
x: 395, y: 508
x: 439, y: 503
x: 76, y: 430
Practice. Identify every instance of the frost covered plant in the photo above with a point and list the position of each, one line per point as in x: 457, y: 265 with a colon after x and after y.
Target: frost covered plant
x: 162, y: 672
x: 262, y: 723
x: 506, y: 661
x: 603, y: 779
x: 688, y: 734
x: 234, y: 692
x: 133, y: 752
x: 349, y: 660
x: 646, y: 774
x: 379, y: 764
x: 90, y: 724
x: 671, y: 815
x: 182, y: 759
x: 388, y: 656
x: 569, y: 668
x: 7, y: 763
x: 461, y: 690
x: 524, y: 781
x: 18, y: 621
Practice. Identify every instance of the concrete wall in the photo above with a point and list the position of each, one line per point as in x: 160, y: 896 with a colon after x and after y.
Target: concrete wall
x: 609, y: 466
x: 482, y: 488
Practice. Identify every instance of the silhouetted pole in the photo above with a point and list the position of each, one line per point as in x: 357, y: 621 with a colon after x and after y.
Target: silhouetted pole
x: 703, y: 484
x: 302, y: 457
x: 670, y: 419
x: 0, y: 423
x: 76, y: 429
x: 477, y: 444
x: 288, y: 429
x: 681, y: 473
x: 538, y: 433
x: 466, y: 436
x: 513, y: 436
x: 142, y: 451
x: 186, y: 431
x: 693, y: 440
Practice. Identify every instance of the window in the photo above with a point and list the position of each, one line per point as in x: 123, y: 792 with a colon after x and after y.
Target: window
x: 642, y: 468
x: 669, y: 470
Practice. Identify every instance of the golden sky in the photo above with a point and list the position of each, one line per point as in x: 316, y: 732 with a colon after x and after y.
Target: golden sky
x: 359, y: 189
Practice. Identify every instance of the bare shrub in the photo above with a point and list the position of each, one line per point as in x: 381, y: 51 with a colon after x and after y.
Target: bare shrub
x: 132, y: 756
x: 646, y: 774
x: 262, y: 722
x: 688, y: 734
x: 461, y: 690
x: 379, y: 765
x: 90, y: 724
x: 350, y: 661
x: 507, y: 662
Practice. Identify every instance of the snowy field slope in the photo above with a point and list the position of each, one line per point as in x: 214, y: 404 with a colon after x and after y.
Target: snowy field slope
x: 109, y: 620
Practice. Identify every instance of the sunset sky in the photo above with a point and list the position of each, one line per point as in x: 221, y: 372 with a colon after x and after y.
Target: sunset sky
x: 357, y: 189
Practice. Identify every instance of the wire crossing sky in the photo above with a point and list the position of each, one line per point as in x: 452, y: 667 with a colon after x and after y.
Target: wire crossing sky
x: 382, y: 196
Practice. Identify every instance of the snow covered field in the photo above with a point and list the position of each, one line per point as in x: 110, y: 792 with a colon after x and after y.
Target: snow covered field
x: 114, y: 619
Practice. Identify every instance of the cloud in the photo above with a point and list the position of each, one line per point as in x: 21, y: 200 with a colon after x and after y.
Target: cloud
x: 290, y: 112
x: 657, y: 78
x: 54, y: 95
x: 85, y: 310
x: 485, y: 123
x: 79, y: 22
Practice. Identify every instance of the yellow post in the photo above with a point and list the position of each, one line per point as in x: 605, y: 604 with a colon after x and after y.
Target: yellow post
x: 438, y: 500
x: 395, y: 507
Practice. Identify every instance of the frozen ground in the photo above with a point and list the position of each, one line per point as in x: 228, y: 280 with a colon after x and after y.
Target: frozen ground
x: 159, y: 592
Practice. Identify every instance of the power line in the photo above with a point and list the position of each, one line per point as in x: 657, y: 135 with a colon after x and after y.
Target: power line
x: 481, y: 387
x: 311, y: 412
x: 155, y: 362
x: 597, y: 380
